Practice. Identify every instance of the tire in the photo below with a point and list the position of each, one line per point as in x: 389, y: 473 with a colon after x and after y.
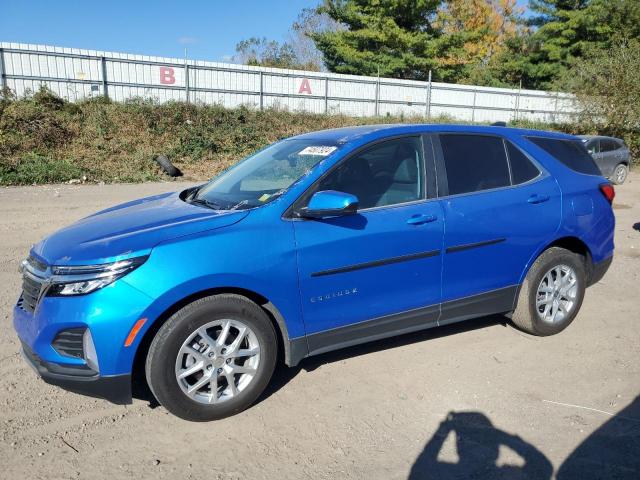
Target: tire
x: 527, y: 316
x: 168, y: 167
x: 170, y: 356
x: 620, y: 174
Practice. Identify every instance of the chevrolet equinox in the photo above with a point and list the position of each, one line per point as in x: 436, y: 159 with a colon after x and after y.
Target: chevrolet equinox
x: 317, y: 242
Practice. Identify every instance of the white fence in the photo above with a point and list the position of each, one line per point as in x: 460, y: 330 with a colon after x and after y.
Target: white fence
x: 75, y: 74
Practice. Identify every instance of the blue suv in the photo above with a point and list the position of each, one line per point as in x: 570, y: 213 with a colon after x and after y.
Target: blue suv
x: 317, y: 242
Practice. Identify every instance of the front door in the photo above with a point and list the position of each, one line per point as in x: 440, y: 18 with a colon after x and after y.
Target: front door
x: 377, y: 272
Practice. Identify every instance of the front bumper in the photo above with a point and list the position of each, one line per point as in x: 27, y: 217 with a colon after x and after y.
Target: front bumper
x: 81, y: 379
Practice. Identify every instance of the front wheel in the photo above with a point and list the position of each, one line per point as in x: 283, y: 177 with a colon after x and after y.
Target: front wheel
x: 212, y: 358
x: 552, y: 293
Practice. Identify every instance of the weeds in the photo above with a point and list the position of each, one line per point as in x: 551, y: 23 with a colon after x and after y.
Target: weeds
x: 44, y: 139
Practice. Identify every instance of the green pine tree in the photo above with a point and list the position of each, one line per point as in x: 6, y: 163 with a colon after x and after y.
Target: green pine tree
x: 393, y: 38
x: 567, y: 30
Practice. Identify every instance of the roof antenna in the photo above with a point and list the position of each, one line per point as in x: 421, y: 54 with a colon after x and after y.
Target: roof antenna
x: 499, y: 124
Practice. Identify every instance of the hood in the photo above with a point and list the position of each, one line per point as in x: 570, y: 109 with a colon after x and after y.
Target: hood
x: 129, y: 230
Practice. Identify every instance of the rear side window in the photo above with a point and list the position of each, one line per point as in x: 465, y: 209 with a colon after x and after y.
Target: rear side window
x: 608, y: 145
x: 474, y: 162
x: 522, y: 170
x: 570, y: 152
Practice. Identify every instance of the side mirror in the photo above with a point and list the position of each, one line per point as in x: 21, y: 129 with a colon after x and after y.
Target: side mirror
x: 330, y: 203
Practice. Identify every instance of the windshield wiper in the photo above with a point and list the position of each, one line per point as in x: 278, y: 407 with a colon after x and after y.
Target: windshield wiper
x: 239, y: 204
x: 205, y: 203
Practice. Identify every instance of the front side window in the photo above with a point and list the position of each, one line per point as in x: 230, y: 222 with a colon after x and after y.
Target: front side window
x: 593, y: 146
x: 264, y: 176
x: 386, y: 174
x: 474, y: 162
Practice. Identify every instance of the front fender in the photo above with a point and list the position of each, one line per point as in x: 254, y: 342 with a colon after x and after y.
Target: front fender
x: 256, y: 258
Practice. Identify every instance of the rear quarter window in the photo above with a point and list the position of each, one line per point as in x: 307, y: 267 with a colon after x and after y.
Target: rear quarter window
x: 608, y: 145
x: 571, y: 153
x: 522, y: 170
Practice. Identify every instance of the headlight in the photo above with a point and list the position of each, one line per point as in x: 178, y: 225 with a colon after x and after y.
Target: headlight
x: 83, y: 279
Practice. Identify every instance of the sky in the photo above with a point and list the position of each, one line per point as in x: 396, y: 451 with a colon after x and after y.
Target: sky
x: 209, y: 30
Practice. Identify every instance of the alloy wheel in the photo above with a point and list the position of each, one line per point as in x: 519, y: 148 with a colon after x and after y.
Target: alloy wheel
x: 557, y: 293
x: 217, y: 361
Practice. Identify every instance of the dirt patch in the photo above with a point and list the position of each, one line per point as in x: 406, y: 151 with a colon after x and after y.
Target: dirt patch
x: 378, y: 411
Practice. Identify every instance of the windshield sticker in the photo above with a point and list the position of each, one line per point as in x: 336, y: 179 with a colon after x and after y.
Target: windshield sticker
x: 320, y: 150
x: 264, y: 197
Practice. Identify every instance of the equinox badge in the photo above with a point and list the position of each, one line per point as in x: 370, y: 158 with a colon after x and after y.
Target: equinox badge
x: 331, y: 296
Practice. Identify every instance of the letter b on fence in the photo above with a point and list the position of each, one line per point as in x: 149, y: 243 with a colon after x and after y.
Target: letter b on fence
x: 167, y: 76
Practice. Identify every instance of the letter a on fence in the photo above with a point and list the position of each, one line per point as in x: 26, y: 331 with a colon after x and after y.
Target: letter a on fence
x: 305, y: 87
x: 167, y: 76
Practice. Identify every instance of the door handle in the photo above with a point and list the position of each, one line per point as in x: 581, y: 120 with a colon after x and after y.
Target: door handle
x: 421, y: 219
x: 535, y: 198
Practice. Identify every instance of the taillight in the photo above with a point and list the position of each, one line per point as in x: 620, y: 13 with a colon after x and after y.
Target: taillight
x: 608, y: 191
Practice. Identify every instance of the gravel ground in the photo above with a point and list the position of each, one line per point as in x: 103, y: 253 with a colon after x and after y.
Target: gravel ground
x: 478, y: 399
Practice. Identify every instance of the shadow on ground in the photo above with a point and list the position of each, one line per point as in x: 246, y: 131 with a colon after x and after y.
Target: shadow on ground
x: 612, y: 451
x: 478, y: 444
x: 284, y: 375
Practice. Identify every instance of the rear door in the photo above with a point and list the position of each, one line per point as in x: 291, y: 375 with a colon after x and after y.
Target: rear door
x: 610, y: 156
x: 500, y: 207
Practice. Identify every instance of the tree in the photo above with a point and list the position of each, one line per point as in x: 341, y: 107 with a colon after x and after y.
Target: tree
x: 395, y: 38
x: 310, y: 22
x: 298, y: 51
x: 484, y: 29
x: 607, y: 87
x: 565, y: 30
x: 266, y: 53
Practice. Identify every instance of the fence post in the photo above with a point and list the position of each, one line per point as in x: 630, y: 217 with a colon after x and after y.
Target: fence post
x: 377, y: 107
x: 186, y: 81
x: 428, y: 102
x: 261, y: 91
x: 516, y: 114
x: 3, y: 73
x: 555, y: 108
x: 326, y: 95
x: 473, y: 107
x: 105, y: 88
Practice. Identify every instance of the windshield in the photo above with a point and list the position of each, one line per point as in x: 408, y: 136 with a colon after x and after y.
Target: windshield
x: 263, y: 176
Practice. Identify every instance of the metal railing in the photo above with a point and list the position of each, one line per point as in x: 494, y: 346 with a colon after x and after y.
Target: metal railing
x: 511, y: 109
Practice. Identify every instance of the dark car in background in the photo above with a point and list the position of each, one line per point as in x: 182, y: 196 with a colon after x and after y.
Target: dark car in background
x: 610, y: 154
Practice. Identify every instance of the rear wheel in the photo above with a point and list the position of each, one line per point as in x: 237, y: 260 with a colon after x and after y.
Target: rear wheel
x: 620, y: 174
x: 213, y: 358
x: 552, y: 293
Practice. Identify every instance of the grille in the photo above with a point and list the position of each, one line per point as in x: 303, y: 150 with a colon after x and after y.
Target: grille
x: 34, y: 275
x: 30, y: 293
x: 69, y: 342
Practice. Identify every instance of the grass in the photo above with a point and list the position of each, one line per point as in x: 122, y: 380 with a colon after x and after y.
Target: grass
x: 44, y: 139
